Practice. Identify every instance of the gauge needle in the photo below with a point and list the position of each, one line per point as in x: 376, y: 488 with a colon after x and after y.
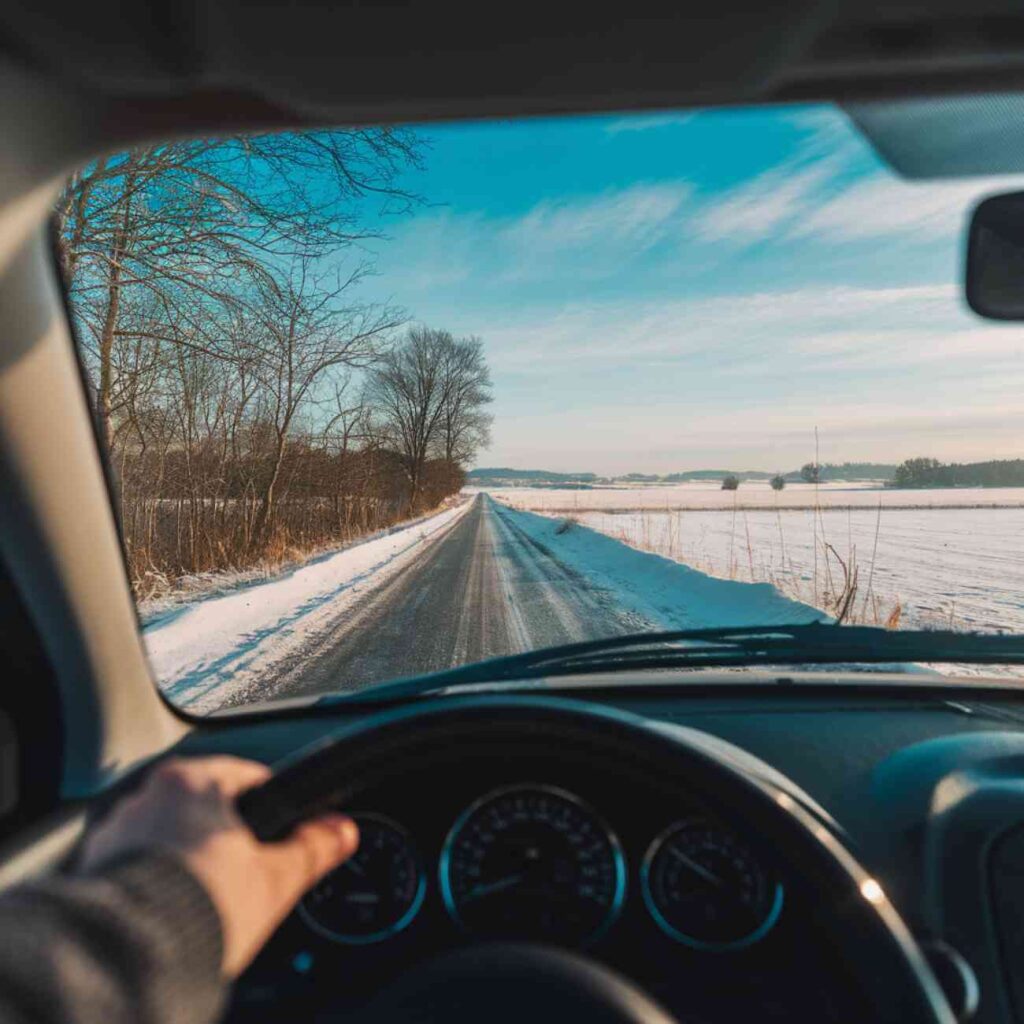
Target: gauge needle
x: 354, y: 866
x: 488, y: 888
x: 696, y: 868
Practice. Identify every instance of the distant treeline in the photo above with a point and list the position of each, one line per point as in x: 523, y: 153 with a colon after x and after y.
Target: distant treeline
x: 920, y: 472
x: 924, y: 472
x: 850, y: 471
x: 540, y: 478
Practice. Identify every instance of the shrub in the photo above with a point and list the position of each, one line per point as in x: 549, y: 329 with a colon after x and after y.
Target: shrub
x: 778, y: 482
x: 811, y: 472
x: 730, y: 482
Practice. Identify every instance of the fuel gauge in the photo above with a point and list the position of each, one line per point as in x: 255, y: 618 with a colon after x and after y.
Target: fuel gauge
x: 705, y: 888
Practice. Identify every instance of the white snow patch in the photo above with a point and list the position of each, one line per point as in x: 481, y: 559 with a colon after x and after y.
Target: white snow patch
x: 959, y: 568
x: 203, y: 653
x: 664, y: 592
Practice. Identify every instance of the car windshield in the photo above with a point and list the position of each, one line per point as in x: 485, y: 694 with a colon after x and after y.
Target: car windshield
x: 381, y: 402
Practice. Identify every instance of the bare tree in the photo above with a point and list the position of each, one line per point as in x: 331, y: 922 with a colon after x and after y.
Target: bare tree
x: 309, y: 333
x: 407, y: 391
x: 215, y: 290
x: 465, y: 426
x: 195, y: 222
x: 429, y: 394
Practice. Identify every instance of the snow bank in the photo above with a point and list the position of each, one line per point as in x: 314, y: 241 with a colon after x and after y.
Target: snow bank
x: 204, y: 652
x: 665, y: 593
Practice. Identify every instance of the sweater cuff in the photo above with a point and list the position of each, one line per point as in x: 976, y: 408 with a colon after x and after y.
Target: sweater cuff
x: 182, y: 923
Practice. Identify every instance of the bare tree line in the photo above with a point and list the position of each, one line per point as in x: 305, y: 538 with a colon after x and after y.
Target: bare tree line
x: 238, y: 377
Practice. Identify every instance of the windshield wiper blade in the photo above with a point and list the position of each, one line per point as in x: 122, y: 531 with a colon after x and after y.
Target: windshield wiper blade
x: 812, y: 644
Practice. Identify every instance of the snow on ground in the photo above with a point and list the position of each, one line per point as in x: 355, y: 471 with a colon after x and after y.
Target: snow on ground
x: 191, y: 588
x: 673, y: 569
x: 960, y: 567
x: 945, y: 567
x: 204, y: 652
x: 662, y: 591
x: 752, y: 494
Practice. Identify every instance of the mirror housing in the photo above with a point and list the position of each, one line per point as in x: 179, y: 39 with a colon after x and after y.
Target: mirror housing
x: 995, y: 258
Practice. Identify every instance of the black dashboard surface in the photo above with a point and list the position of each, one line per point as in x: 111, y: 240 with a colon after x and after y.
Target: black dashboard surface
x: 890, y: 768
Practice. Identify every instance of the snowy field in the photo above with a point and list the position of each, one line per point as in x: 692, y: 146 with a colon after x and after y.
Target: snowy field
x: 951, y: 557
x: 959, y: 567
x: 752, y: 494
x: 945, y: 565
x: 956, y: 564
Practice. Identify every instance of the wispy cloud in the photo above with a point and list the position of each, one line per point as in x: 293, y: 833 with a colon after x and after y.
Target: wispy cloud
x: 633, y: 217
x: 756, y: 209
x: 434, y: 250
x: 650, y: 122
x: 886, y: 207
x: 742, y: 334
x: 767, y: 204
x: 834, y: 190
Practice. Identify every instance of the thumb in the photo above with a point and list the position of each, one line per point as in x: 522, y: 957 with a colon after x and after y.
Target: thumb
x: 312, y: 850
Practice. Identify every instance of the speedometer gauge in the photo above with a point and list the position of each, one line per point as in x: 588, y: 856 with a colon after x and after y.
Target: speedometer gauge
x: 706, y: 889
x: 375, y: 894
x: 532, y: 862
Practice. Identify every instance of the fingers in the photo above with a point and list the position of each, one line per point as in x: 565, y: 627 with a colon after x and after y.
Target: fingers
x: 311, y: 851
x: 290, y: 868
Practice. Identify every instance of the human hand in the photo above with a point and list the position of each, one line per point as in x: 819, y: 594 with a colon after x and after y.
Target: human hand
x: 187, y: 807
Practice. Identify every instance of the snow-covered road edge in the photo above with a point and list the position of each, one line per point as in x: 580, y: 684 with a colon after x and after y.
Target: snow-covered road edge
x: 668, y: 594
x: 202, y: 654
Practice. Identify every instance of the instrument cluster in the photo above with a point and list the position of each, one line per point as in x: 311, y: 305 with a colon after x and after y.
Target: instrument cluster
x: 537, y: 863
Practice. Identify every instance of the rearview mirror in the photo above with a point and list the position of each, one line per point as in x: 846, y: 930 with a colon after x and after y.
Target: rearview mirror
x: 995, y: 258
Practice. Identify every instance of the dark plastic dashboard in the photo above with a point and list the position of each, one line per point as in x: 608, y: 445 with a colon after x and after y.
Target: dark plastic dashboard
x: 926, y: 788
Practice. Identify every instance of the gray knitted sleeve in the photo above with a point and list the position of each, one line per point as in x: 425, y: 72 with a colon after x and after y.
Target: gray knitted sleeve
x: 138, y: 942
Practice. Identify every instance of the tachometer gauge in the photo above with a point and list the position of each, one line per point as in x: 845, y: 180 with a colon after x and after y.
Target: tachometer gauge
x: 374, y: 894
x: 706, y: 889
x: 532, y: 862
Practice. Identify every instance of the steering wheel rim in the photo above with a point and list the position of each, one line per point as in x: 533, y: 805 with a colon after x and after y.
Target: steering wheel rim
x: 505, y: 983
x: 881, y: 955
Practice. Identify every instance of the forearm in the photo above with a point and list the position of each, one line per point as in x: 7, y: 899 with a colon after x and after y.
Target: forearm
x: 139, y: 941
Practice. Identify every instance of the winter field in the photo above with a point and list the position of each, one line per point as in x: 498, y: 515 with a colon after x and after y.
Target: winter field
x: 919, y: 559
x: 948, y: 559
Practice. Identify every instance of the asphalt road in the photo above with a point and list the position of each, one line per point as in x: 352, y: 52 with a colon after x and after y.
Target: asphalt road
x: 482, y: 588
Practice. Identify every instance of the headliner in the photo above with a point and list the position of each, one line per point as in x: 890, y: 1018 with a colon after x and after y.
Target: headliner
x: 161, y: 67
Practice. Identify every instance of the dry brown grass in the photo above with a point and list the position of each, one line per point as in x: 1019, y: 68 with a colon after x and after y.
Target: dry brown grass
x: 837, y: 589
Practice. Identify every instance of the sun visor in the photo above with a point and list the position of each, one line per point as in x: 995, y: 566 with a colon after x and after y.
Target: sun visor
x: 946, y: 137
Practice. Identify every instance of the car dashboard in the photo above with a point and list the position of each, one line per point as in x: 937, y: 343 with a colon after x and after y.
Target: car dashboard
x: 679, y: 895
x: 551, y: 850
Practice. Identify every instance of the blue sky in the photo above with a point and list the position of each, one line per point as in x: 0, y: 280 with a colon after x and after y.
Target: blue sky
x: 668, y: 291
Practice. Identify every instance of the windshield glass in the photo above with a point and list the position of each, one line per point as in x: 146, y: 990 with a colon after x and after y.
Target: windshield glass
x: 382, y: 402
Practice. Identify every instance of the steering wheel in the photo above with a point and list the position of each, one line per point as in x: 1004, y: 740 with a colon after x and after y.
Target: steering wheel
x: 883, y: 962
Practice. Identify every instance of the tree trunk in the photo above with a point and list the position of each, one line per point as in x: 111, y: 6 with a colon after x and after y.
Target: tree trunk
x: 104, y: 390
x: 264, y: 517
